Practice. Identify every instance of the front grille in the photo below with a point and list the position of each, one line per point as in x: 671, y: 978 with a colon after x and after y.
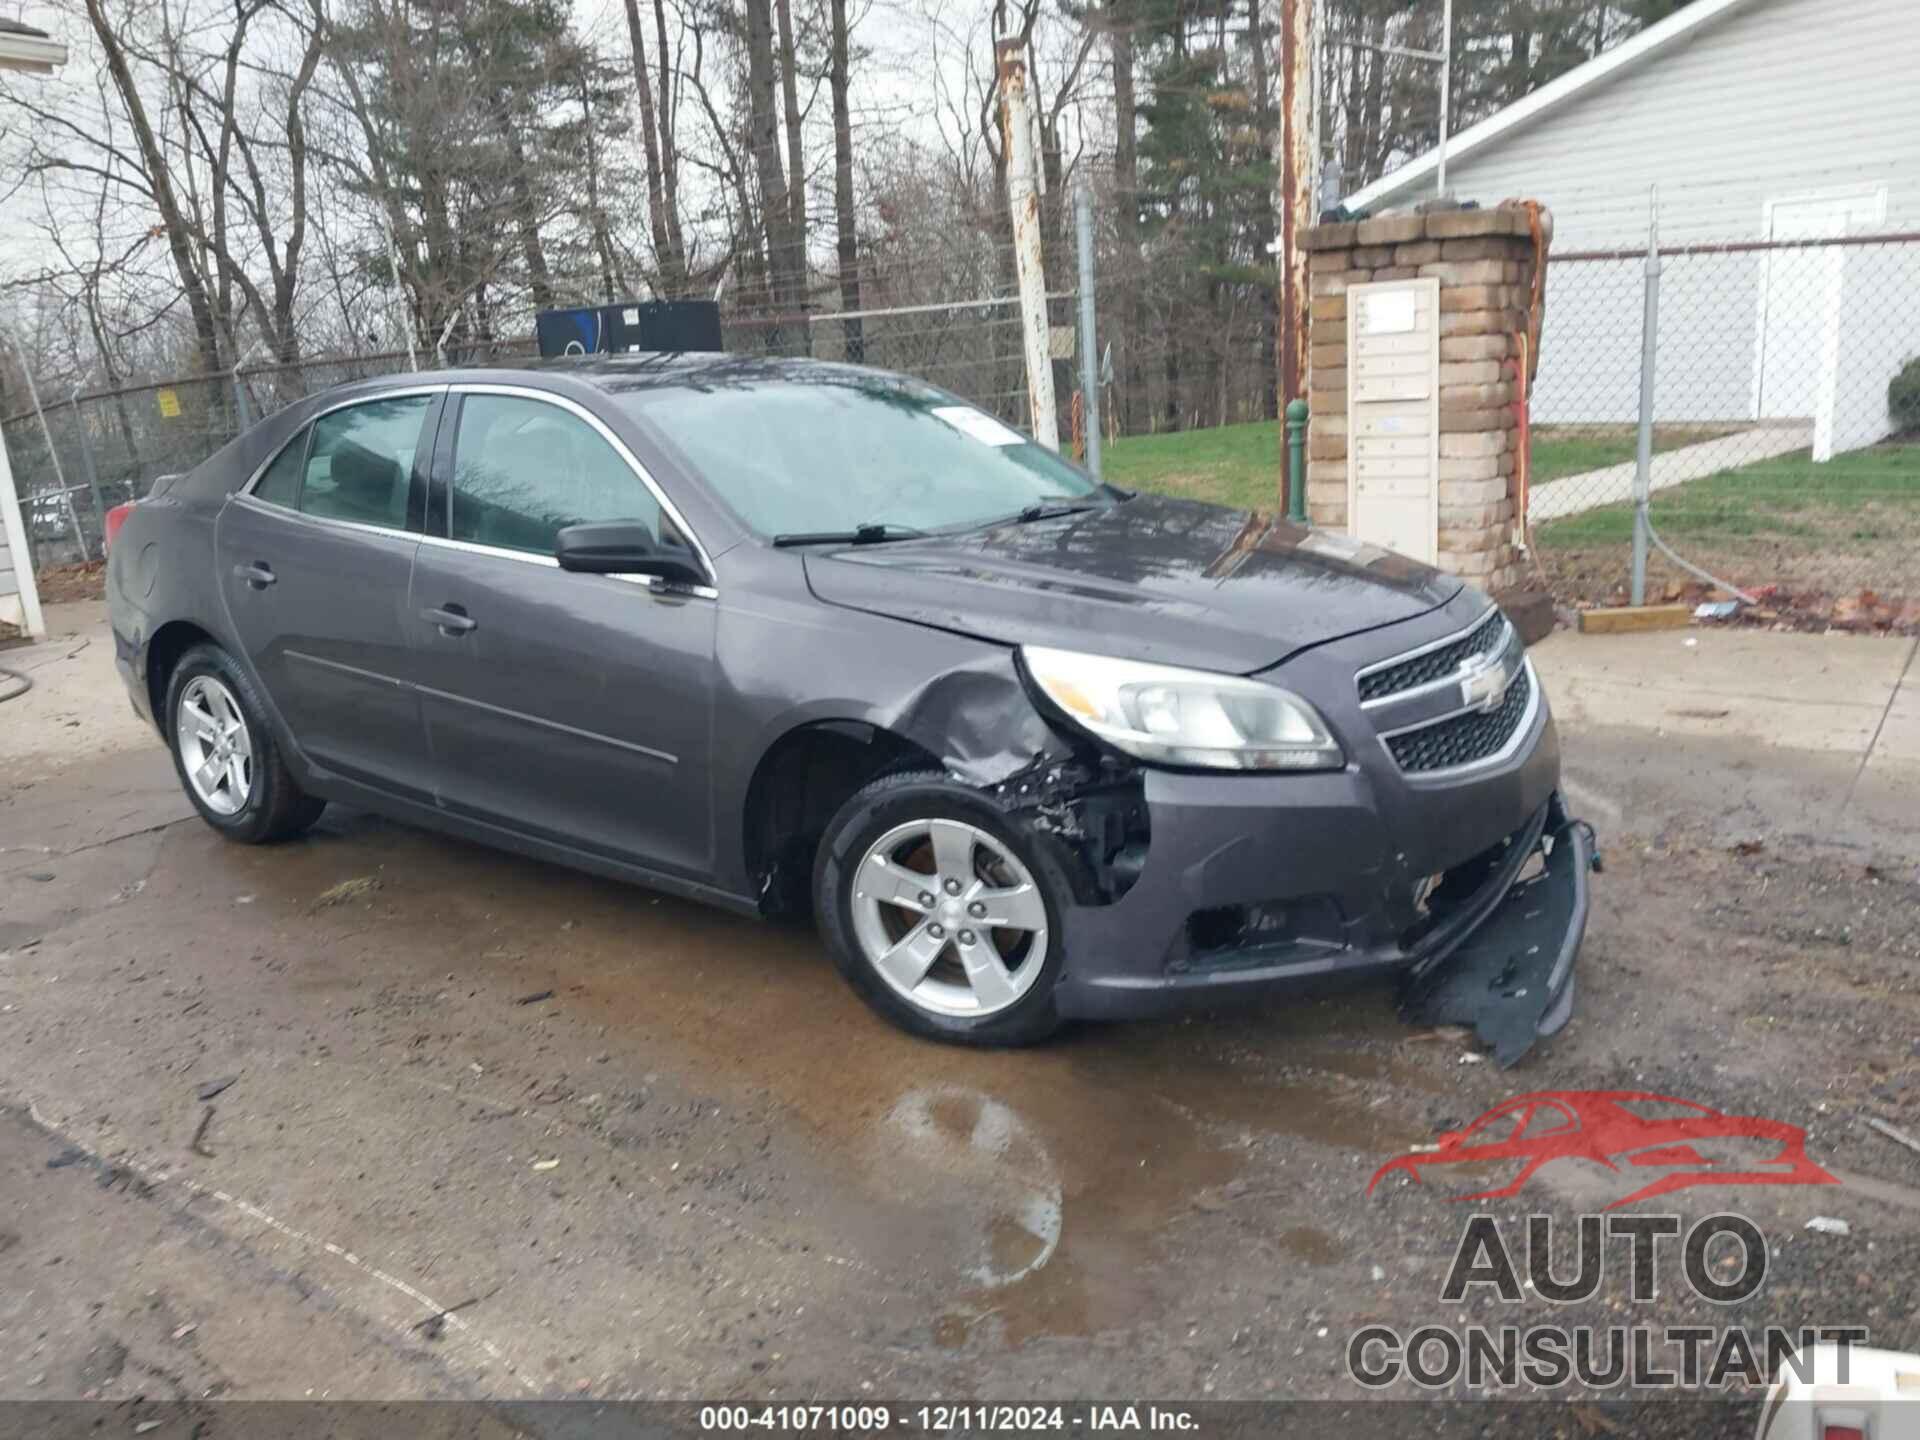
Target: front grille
x: 1463, y: 739
x: 1484, y: 639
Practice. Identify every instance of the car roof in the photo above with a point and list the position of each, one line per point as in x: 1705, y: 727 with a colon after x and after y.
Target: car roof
x: 648, y: 370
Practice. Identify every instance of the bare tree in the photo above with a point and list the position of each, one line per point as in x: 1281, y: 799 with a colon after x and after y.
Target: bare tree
x: 846, y: 234
x: 159, y: 180
x: 656, y: 133
x: 786, y: 258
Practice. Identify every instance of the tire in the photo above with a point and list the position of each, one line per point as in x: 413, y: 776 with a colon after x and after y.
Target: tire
x: 959, y: 1000
x: 257, y: 801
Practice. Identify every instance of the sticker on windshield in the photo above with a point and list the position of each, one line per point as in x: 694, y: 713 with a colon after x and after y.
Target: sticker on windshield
x: 979, y: 425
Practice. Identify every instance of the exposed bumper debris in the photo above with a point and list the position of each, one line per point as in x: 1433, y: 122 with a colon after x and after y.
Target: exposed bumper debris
x: 1511, y: 978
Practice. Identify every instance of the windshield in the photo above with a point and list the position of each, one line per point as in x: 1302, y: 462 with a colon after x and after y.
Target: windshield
x: 835, y: 450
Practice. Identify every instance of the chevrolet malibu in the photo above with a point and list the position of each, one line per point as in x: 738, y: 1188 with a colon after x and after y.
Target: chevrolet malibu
x: 788, y: 636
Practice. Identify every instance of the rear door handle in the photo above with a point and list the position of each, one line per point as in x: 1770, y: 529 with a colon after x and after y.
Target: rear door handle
x: 258, y: 575
x: 453, y: 620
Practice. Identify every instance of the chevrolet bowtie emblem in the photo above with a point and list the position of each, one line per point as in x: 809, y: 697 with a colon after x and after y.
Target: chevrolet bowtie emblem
x: 1485, y: 689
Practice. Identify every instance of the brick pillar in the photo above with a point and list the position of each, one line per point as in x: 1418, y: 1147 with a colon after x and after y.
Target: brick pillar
x: 1484, y: 261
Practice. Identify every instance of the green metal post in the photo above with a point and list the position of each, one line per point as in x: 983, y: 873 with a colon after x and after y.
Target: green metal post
x: 1297, y: 462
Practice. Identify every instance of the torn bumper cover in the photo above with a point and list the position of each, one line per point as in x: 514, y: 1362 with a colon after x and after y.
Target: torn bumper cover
x: 1510, y: 974
x: 1252, y: 885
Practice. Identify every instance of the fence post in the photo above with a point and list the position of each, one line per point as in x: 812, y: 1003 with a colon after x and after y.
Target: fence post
x: 1023, y: 204
x: 1649, y: 347
x: 86, y: 456
x: 1089, y: 361
x: 242, y: 420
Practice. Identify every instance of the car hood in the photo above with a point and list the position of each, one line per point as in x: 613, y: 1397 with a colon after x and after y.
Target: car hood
x: 1169, y: 581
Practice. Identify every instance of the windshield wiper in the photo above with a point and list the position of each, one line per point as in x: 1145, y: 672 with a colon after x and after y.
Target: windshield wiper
x: 1054, y: 509
x: 858, y: 535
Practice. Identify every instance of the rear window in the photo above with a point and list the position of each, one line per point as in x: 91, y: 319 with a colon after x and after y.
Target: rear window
x: 280, y: 483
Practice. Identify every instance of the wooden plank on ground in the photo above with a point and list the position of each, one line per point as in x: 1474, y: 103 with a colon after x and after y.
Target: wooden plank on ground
x: 1623, y: 619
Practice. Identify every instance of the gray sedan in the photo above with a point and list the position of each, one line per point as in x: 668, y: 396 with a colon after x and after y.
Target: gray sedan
x: 795, y: 637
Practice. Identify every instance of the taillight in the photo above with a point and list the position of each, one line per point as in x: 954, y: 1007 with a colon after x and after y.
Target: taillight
x: 116, y: 517
x: 1842, y: 1432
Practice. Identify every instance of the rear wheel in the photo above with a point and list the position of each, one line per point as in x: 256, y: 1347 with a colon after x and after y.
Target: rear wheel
x: 226, y: 756
x: 940, y: 912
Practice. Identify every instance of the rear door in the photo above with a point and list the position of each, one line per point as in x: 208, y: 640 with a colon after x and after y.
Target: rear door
x: 315, y: 558
x: 575, y: 708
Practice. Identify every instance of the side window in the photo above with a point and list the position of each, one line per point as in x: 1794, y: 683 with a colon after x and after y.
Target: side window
x: 523, y: 470
x: 361, y: 463
x: 280, y: 482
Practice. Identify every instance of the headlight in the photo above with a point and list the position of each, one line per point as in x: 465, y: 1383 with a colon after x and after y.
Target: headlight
x: 1184, y: 717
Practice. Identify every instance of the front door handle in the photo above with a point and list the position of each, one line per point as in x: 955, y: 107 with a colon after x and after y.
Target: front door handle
x: 453, y: 620
x: 258, y: 575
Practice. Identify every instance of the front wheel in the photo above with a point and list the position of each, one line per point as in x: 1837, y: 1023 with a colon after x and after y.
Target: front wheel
x: 941, y: 913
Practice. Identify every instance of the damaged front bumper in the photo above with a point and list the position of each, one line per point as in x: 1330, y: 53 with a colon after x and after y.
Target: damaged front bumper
x: 1509, y: 974
x: 1256, y: 885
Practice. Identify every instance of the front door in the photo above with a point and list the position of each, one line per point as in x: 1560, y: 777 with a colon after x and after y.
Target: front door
x: 315, y: 563
x: 573, y: 708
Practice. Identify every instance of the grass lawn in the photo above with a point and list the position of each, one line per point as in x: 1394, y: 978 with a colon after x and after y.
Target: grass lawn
x: 1241, y: 465
x: 1861, y: 497
x: 1238, y: 465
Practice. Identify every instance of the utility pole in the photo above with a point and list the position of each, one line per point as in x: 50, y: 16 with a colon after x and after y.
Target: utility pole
x: 1294, y: 156
x: 1446, y: 88
x: 1023, y: 202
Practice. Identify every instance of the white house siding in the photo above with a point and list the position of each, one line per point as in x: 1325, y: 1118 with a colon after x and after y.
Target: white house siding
x: 19, y: 602
x: 1777, y: 101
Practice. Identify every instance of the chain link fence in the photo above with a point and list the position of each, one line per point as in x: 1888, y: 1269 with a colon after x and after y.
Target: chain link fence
x: 1785, y: 461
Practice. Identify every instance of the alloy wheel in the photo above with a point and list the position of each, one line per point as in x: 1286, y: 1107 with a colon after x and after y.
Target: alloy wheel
x: 950, y: 918
x: 216, y: 750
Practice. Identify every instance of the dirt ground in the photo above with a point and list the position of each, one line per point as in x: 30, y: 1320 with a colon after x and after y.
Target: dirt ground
x: 64, y: 584
x: 498, y: 1130
x: 1793, y: 589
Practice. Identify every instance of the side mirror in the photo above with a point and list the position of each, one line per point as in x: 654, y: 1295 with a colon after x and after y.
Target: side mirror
x: 621, y: 547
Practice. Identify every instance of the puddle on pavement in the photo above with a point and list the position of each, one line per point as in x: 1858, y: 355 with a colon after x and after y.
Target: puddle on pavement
x: 1037, y: 1186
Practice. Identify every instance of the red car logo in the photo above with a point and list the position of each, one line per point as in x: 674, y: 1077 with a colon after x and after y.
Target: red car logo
x: 1616, y: 1129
